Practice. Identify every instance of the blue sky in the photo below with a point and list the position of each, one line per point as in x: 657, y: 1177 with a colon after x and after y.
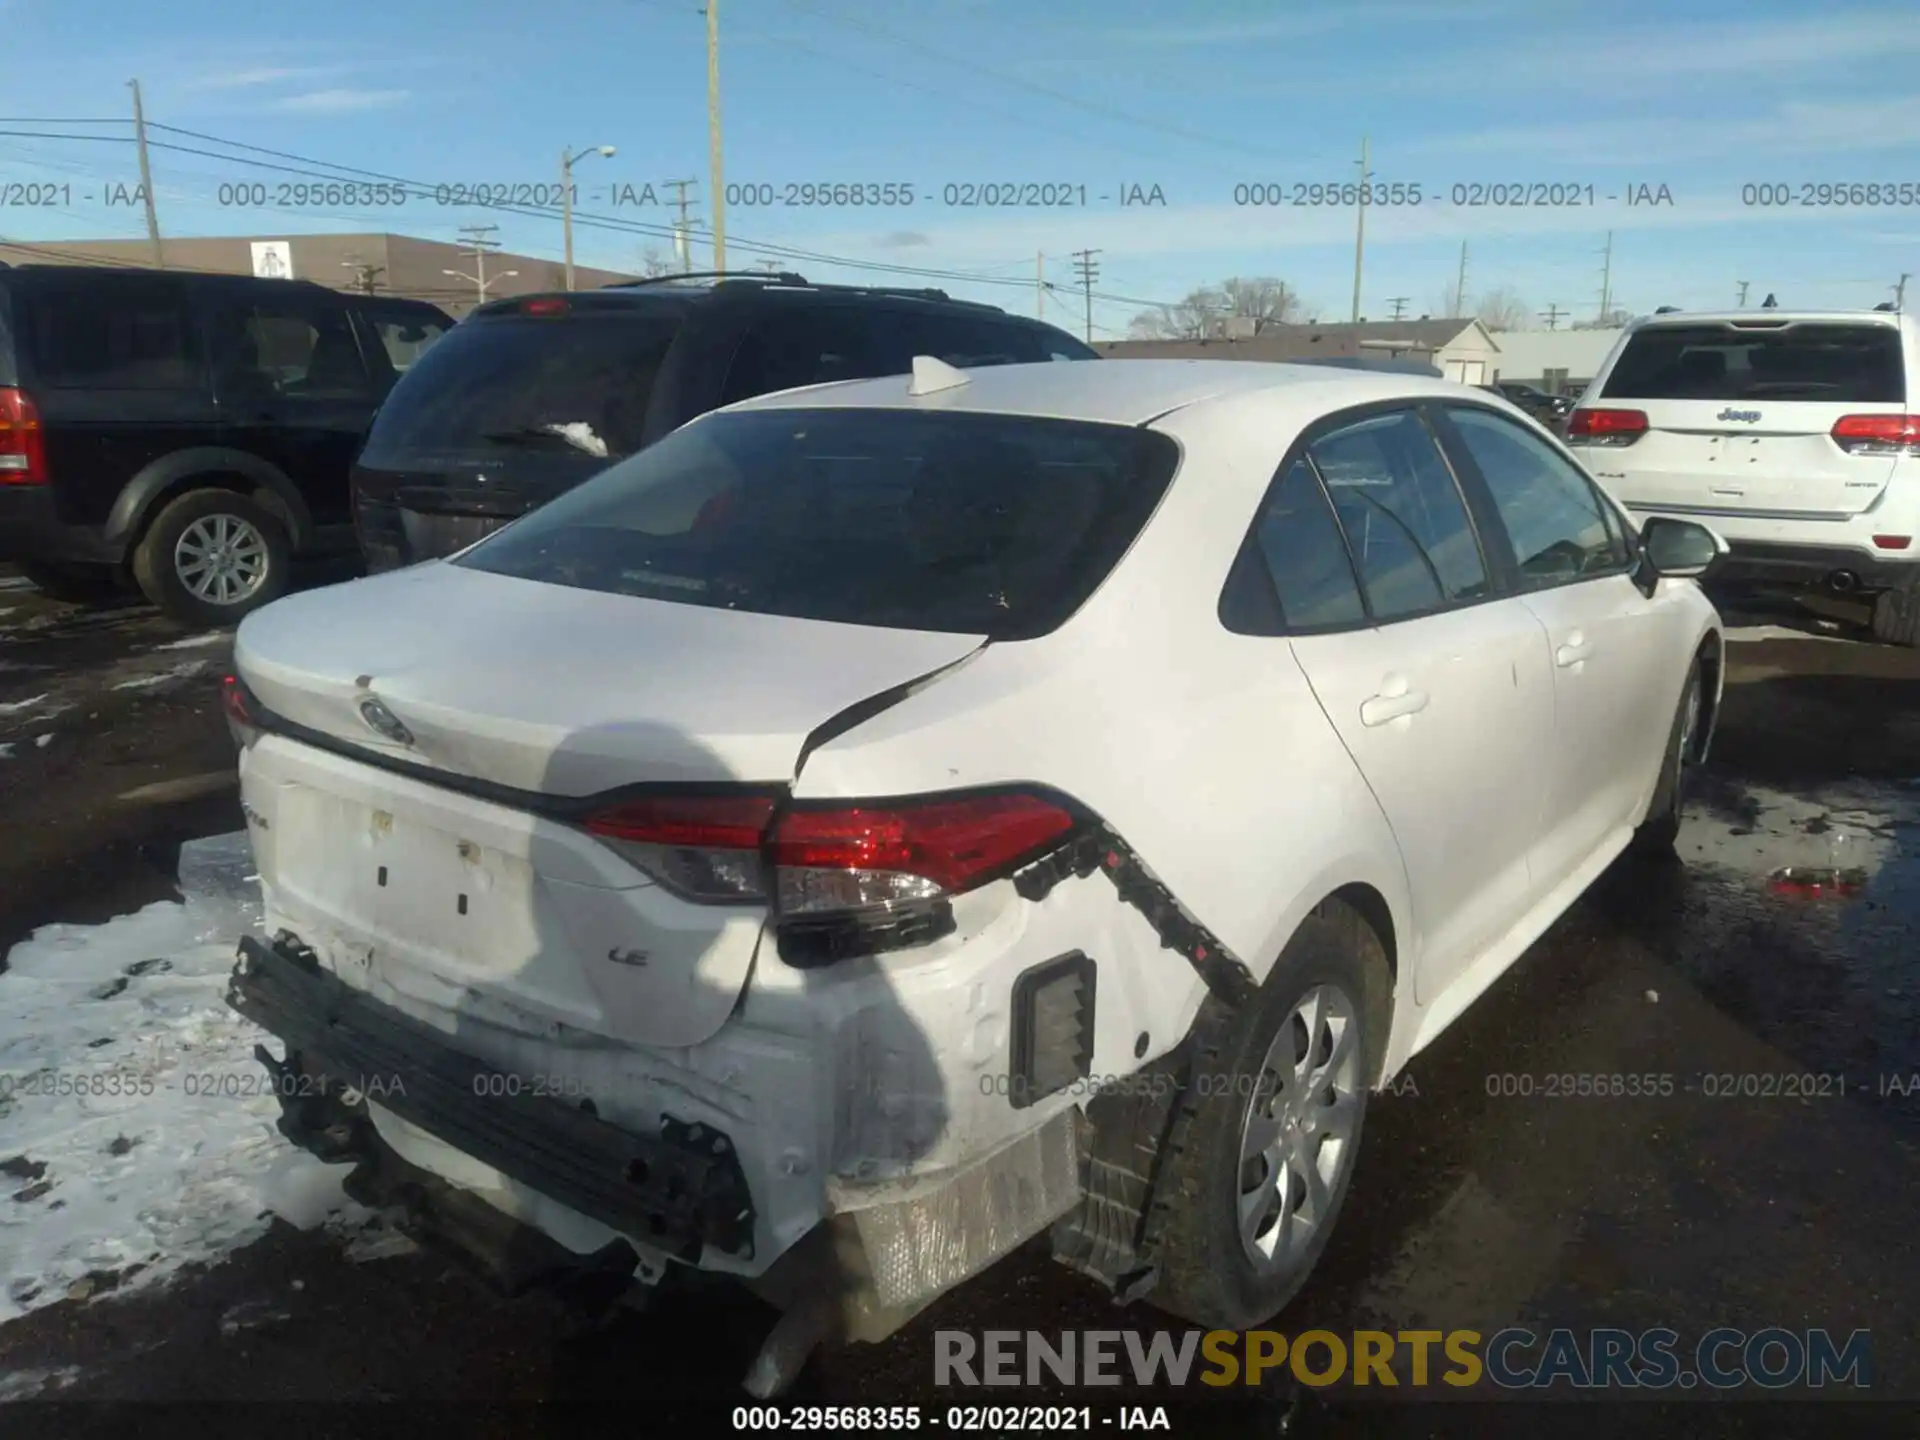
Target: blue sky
x: 1101, y: 94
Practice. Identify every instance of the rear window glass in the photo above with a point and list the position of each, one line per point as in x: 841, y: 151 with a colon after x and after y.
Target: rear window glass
x: 972, y: 524
x: 404, y: 335
x: 509, y: 385
x: 1844, y: 364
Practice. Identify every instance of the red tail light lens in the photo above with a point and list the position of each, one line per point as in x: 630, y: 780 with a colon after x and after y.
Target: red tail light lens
x: 852, y: 856
x: 242, y: 710
x: 547, y: 305
x: 829, y: 860
x: 23, y: 443
x: 1878, y: 434
x: 1607, y: 427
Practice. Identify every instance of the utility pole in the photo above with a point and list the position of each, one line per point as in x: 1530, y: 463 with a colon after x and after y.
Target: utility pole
x: 146, y: 177
x: 1088, y: 267
x: 717, y: 190
x: 1552, y: 316
x: 479, y: 242
x: 1743, y: 293
x: 1360, y: 228
x: 1460, y: 286
x: 683, y: 231
x: 1039, y: 286
x: 1606, y: 281
x: 1399, y: 304
x: 1900, y: 292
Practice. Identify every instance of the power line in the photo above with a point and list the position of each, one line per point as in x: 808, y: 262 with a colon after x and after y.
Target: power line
x: 304, y: 166
x: 1399, y: 304
x: 1552, y: 316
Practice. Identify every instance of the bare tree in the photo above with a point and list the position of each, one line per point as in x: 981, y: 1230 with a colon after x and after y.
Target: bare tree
x: 1452, y: 302
x: 1612, y: 320
x: 653, y: 263
x: 1502, y: 309
x: 1261, y: 298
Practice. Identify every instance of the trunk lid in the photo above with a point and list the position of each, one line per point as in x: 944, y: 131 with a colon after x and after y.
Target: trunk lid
x: 473, y: 907
x: 1744, y: 457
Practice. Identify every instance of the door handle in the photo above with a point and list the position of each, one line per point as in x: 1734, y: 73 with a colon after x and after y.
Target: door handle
x: 1577, y: 648
x: 1382, y: 708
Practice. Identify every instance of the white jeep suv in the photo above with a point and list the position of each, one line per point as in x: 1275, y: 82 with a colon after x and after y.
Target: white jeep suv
x: 1792, y: 433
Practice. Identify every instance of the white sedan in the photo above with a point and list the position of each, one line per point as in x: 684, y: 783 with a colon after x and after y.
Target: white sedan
x: 886, y: 819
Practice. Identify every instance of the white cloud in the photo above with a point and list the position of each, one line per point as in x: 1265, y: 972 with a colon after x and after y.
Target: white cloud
x: 341, y: 102
x: 258, y: 75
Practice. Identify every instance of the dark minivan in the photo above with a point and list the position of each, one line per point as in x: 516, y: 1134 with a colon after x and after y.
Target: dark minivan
x: 186, y: 433
x: 528, y: 397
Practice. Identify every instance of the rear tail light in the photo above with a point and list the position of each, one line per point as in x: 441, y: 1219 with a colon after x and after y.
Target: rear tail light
x: 23, y: 444
x: 1878, y: 434
x: 1607, y: 427
x: 242, y: 710
x: 547, y: 305
x: 843, y: 878
x: 1893, y: 542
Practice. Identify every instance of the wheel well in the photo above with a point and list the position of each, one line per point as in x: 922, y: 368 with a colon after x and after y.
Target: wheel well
x: 1711, y: 657
x: 1371, y: 906
x: 261, y: 495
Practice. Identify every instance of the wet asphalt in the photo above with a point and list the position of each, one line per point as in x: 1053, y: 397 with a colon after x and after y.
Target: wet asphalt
x: 1774, y: 1183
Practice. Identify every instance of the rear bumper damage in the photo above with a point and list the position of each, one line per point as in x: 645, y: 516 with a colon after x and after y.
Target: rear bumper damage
x: 681, y: 1192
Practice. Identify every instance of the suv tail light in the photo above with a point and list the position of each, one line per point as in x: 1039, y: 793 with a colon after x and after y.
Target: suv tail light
x: 1878, y: 434
x: 1607, y: 427
x: 23, y: 444
x: 843, y: 878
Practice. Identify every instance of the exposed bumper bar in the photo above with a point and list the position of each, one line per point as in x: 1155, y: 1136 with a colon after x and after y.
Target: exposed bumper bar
x: 679, y: 1192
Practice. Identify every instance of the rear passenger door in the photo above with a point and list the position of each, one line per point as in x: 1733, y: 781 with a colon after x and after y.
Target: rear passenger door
x: 1438, y: 684
x: 115, y: 366
x: 294, y: 389
x: 1614, y: 693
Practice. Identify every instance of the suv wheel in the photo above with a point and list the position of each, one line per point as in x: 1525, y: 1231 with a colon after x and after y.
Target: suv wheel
x: 1251, y: 1193
x: 1896, y: 614
x: 82, y: 583
x: 211, y: 556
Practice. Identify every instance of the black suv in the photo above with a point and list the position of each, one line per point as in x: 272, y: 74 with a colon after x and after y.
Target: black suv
x: 188, y: 433
x: 528, y: 397
x: 1549, y: 410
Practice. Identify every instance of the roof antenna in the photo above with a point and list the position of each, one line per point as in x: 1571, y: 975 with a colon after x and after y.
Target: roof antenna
x: 930, y: 374
x: 1769, y: 303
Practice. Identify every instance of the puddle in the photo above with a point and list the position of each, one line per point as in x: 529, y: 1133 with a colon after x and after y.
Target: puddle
x: 1817, y: 882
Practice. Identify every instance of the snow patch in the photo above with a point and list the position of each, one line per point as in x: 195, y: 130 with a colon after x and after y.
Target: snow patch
x: 166, y: 677
x: 579, y: 434
x: 6, y: 751
x: 194, y: 642
x: 135, y: 1133
x: 25, y: 1384
x: 14, y: 707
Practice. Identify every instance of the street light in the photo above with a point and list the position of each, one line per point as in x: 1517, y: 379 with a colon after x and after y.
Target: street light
x: 482, y: 280
x: 566, y: 195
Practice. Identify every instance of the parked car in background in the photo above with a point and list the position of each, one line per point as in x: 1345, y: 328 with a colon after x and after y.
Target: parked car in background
x: 1550, y: 410
x: 792, y: 819
x: 531, y: 396
x: 186, y: 433
x: 1793, y: 432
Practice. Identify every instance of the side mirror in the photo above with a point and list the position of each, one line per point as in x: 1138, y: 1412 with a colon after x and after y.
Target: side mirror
x: 1680, y: 548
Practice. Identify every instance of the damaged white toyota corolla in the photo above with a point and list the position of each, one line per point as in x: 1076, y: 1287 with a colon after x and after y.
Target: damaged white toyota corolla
x: 885, y: 820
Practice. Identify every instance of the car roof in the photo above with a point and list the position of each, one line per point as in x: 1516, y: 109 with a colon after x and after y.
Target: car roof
x: 1768, y: 317
x: 1116, y: 392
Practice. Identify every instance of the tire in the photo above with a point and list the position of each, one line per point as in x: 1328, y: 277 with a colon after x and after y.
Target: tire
x: 220, y: 523
x: 77, y: 582
x: 1208, y: 1271
x: 1660, y: 831
x: 1896, y: 615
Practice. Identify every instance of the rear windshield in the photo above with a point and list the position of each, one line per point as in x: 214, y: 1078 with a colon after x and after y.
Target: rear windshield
x: 1844, y: 364
x: 507, y: 385
x: 973, y: 524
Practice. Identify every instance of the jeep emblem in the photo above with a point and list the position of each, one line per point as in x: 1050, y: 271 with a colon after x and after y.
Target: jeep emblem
x: 1730, y: 414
